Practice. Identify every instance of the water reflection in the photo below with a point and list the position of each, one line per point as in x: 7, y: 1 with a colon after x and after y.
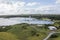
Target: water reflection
x: 17, y: 20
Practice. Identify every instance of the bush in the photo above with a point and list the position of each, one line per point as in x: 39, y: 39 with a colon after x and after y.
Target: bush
x: 5, y: 29
x: 54, y: 36
x: 33, y: 33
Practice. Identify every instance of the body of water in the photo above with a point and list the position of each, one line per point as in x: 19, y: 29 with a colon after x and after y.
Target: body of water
x: 19, y: 20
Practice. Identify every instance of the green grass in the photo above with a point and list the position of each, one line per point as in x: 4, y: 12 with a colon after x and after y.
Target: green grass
x: 7, y: 36
x: 26, y: 32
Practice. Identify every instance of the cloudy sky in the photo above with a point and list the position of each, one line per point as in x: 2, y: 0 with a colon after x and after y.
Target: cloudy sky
x: 16, y: 7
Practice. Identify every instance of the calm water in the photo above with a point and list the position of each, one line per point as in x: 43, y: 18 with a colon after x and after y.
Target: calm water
x: 17, y: 20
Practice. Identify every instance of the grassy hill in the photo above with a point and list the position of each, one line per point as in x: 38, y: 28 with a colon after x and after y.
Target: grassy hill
x: 27, y: 32
x: 7, y: 36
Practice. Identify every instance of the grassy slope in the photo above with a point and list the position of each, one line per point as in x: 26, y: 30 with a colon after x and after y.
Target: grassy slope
x: 7, y: 36
x: 25, y: 32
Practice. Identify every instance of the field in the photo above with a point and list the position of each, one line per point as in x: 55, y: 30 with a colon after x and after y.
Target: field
x: 7, y: 36
x: 23, y: 32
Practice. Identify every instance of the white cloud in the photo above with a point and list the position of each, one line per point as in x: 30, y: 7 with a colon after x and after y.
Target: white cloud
x: 8, y: 9
x: 14, y: 8
x: 33, y: 4
x: 57, y: 1
x: 48, y: 9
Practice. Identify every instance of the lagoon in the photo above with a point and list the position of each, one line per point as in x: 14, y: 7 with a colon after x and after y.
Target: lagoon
x: 19, y: 20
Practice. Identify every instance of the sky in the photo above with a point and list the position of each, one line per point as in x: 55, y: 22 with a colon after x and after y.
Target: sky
x: 18, y: 7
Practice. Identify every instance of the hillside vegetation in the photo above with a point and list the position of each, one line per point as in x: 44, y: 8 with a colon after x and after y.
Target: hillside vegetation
x: 26, y: 32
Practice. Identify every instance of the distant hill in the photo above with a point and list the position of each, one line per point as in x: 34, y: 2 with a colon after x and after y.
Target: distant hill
x: 23, y: 15
x: 51, y: 16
